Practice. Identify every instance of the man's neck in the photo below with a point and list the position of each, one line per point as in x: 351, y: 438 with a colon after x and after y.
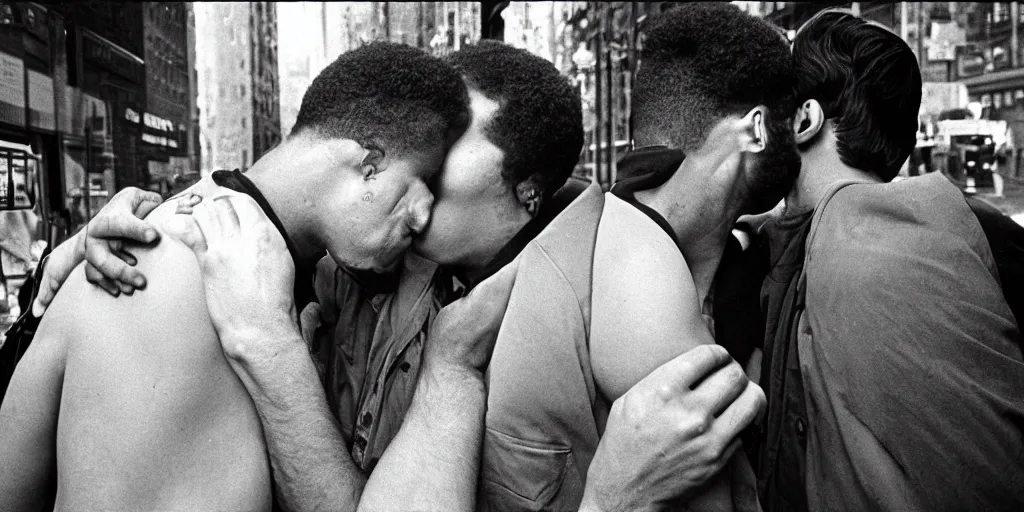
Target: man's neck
x: 702, y: 218
x: 288, y: 204
x: 820, y: 170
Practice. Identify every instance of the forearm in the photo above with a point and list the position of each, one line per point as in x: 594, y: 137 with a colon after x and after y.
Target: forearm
x: 312, y: 467
x: 434, y: 461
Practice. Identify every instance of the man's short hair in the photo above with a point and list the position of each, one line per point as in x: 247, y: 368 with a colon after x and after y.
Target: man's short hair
x: 539, y: 123
x: 701, y: 62
x: 392, y: 96
x: 868, y: 83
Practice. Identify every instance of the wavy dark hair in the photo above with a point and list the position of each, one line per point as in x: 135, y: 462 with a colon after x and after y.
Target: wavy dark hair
x: 868, y: 83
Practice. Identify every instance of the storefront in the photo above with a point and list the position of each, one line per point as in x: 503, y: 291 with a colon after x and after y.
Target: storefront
x: 100, y: 144
x: 165, y: 148
x: 31, y: 71
x: 1001, y: 95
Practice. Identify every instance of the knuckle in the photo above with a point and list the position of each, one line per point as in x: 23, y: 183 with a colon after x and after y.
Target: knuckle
x: 665, y: 392
x: 716, y: 351
x: 696, y: 425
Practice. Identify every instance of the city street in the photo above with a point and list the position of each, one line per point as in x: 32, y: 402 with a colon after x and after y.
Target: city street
x: 1012, y: 202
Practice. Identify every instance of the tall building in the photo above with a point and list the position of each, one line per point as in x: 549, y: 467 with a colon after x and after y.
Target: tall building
x: 301, y: 29
x: 266, y: 106
x: 194, y: 154
x: 105, y: 102
x: 166, y: 120
x: 238, y: 82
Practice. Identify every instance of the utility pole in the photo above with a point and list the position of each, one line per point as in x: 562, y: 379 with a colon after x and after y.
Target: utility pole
x: 920, y: 35
x: 595, y: 16
x: 458, y: 26
x: 552, y: 48
x: 1014, y: 42
x: 904, y: 20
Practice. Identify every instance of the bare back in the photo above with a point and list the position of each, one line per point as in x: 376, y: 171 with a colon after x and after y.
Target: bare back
x: 151, y: 417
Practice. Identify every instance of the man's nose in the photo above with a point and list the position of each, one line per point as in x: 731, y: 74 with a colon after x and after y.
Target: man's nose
x: 419, y: 209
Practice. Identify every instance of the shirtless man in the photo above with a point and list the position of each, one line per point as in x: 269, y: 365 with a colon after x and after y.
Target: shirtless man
x: 649, y: 454
x: 130, y: 404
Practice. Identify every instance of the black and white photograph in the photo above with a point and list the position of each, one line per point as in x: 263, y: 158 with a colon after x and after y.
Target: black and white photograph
x: 511, y: 256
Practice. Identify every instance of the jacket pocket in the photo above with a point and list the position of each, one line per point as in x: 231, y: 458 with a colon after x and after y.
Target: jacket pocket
x: 527, y: 475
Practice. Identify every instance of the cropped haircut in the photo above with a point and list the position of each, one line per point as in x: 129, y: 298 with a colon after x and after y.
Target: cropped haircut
x: 868, y: 83
x: 701, y: 62
x: 539, y: 122
x: 394, y: 97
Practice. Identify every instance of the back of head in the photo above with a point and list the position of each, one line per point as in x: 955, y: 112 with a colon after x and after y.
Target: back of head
x: 539, y: 124
x: 702, y: 62
x: 868, y: 83
x: 394, y: 97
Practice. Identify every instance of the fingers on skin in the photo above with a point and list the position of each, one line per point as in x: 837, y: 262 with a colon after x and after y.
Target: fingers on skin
x: 47, y: 291
x: 721, y: 388
x: 115, y: 264
x: 94, y: 276
x: 679, y: 375
x: 226, y: 215
x: 145, y: 202
x: 746, y: 409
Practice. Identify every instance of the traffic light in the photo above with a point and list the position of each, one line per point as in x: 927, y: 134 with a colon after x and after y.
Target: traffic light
x: 492, y: 26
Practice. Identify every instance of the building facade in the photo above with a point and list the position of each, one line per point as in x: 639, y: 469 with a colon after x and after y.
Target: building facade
x: 165, y: 123
x: 238, y: 81
x: 265, y: 97
x: 194, y: 154
x: 105, y: 101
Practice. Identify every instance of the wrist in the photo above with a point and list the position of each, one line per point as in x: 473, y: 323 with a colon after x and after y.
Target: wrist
x: 605, y: 490
x: 451, y: 368
x: 252, y: 344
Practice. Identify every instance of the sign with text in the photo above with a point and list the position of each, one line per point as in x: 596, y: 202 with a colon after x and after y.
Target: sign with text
x: 97, y: 50
x: 12, y: 89
x: 41, y: 109
x: 157, y: 123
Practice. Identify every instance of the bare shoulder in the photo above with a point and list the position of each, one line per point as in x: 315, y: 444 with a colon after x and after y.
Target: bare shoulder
x: 645, y: 306
x: 148, y: 384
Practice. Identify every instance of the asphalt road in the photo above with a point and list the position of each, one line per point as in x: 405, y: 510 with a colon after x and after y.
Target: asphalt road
x: 1012, y: 201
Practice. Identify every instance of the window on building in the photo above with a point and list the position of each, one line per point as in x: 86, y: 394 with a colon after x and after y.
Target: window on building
x: 243, y: 122
x: 245, y: 159
x: 241, y: 91
x: 241, y: 64
x: 1018, y: 96
x: 1000, y: 12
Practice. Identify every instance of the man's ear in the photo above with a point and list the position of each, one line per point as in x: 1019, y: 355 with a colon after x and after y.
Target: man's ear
x: 756, y: 139
x: 530, y: 194
x: 371, y: 161
x: 808, y: 121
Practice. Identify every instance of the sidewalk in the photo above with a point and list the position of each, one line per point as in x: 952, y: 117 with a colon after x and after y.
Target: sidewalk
x: 1012, y: 201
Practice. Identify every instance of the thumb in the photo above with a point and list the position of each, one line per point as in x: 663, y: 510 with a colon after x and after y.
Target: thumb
x: 48, y: 287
